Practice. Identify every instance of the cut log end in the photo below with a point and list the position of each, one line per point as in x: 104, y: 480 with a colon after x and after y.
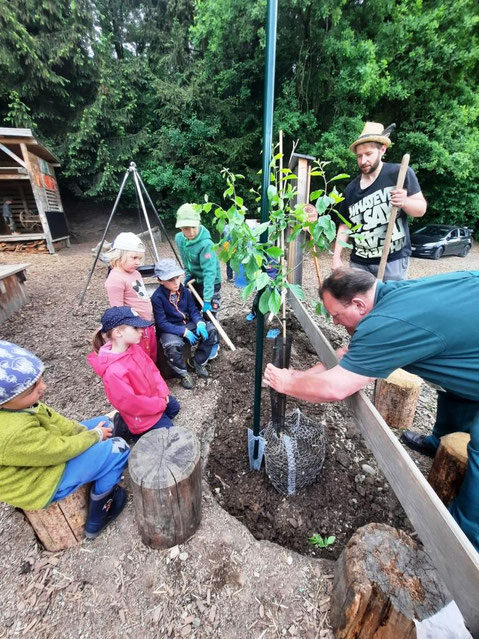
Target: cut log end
x: 449, y: 466
x: 383, y: 581
x: 396, y: 398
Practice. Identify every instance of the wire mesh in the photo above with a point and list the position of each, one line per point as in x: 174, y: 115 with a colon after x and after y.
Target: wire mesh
x: 294, y: 458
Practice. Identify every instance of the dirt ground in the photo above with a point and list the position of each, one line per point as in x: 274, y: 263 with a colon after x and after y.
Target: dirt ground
x: 224, y: 582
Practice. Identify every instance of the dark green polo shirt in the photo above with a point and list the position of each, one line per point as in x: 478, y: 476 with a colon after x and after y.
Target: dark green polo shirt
x: 428, y: 326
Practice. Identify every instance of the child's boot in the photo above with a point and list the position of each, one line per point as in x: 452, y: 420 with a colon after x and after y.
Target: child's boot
x: 103, y: 509
x: 199, y: 368
x: 187, y: 381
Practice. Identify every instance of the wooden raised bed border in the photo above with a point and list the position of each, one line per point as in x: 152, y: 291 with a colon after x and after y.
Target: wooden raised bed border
x: 453, y: 555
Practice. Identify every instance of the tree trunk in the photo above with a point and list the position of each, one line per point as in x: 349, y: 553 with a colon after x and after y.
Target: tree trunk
x: 165, y: 469
x: 396, y: 397
x: 62, y: 524
x: 383, y: 581
x: 449, y: 466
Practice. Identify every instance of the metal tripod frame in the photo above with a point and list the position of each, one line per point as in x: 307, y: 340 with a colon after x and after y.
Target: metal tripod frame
x: 139, y: 186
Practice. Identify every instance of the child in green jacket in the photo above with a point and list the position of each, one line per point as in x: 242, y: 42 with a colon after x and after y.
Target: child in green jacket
x: 199, y: 258
x: 45, y: 457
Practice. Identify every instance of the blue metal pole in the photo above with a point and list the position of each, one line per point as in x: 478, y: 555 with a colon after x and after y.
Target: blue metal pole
x: 270, y: 59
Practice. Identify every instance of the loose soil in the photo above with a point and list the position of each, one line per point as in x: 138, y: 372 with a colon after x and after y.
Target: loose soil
x: 342, y: 499
x: 224, y: 582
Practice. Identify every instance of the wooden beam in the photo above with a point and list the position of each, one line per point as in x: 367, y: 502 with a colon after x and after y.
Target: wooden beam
x: 13, y: 155
x: 14, y: 176
x: 39, y: 199
x: 452, y: 553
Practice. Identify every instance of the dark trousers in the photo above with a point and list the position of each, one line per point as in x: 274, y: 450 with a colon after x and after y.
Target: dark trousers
x: 173, y: 348
x: 165, y: 421
x: 457, y: 414
x: 215, y: 301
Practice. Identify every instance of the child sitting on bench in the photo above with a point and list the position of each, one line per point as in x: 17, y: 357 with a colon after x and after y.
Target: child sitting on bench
x: 178, y: 321
x: 132, y: 382
x: 45, y: 456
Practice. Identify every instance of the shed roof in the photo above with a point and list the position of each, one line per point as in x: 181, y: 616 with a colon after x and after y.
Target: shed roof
x: 11, y: 135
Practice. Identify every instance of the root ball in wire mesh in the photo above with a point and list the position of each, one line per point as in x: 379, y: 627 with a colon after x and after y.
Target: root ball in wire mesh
x: 294, y: 458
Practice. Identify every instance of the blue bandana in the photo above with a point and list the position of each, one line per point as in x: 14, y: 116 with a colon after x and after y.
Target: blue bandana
x: 19, y: 369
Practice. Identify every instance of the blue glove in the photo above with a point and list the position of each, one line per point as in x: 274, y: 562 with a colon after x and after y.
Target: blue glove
x: 201, y: 330
x: 206, y: 307
x: 191, y: 337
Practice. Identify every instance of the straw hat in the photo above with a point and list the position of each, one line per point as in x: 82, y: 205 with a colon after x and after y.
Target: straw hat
x: 374, y: 132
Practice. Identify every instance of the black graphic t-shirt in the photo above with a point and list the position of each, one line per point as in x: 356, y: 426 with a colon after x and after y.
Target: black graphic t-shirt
x: 370, y: 208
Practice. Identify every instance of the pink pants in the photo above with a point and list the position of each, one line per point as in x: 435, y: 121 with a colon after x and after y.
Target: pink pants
x: 148, y: 342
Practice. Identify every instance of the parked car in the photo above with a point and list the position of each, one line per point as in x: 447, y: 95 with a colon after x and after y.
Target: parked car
x: 436, y: 240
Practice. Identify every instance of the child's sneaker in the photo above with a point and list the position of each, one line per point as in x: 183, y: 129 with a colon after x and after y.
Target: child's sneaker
x: 214, y: 351
x: 199, y: 368
x: 187, y: 381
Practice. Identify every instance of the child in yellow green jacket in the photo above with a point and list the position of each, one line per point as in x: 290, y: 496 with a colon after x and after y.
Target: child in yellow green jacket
x: 44, y: 456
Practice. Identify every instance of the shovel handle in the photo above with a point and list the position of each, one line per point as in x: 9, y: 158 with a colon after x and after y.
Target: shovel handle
x: 392, y: 218
x: 212, y: 318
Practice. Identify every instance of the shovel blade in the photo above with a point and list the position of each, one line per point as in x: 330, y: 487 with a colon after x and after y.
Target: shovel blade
x: 255, y: 463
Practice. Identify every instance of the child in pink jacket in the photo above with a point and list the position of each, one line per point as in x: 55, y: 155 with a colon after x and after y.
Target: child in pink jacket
x: 132, y: 382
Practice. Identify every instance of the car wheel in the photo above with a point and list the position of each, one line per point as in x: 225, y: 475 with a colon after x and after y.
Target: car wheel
x: 465, y: 251
x: 438, y: 252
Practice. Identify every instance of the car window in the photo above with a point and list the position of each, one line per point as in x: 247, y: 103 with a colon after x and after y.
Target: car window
x: 455, y: 233
x: 462, y: 233
x: 434, y: 231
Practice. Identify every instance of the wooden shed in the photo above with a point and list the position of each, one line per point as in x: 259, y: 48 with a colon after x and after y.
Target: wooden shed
x: 28, y: 184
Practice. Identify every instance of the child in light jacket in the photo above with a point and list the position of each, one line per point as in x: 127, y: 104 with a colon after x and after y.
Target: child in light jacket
x: 125, y: 286
x: 44, y: 456
x: 132, y: 382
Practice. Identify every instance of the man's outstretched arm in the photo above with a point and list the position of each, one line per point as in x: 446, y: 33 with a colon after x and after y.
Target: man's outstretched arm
x: 314, y: 385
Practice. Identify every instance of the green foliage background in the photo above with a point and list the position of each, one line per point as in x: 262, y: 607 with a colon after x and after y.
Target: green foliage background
x: 177, y: 86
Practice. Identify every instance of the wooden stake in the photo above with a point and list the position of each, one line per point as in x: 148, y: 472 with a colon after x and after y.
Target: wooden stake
x: 216, y: 324
x: 392, y: 218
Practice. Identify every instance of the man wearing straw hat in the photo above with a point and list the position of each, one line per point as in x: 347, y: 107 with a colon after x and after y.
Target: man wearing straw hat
x: 367, y: 205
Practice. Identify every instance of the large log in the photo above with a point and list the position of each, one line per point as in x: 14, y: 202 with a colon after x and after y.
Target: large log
x: 165, y: 469
x: 396, y: 398
x: 62, y: 524
x: 449, y: 466
x: 383, y: 581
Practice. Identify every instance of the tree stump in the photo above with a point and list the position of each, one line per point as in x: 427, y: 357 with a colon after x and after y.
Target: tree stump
x: 382, y: 581
x: 62, y: 524
x: 449, y: 466
x: 165, y: 469
x: 396, y: 398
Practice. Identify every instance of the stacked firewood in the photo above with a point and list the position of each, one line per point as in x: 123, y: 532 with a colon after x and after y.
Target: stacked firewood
x: 33, y: 246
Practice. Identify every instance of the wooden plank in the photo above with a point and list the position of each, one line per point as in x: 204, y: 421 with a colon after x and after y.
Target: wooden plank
x: 14, y: 176
x: 6, y: 270
x: 452, y: 553
x: 13, y: 155
x: 12, y: 292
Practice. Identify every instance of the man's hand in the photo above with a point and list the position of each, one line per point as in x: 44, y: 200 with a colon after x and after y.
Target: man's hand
x: 337, y: 263
x: 277, y: 378
x: 398, y: 197
x: 341, y: 352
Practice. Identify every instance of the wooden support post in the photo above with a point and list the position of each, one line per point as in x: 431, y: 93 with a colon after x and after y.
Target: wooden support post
x: 62, y: 524
x: 165, y: 469
x: 39, y: 198
x: 396, y: 398
x: 300, y: 164
x: 382, y: 582
x: 449, y: 466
